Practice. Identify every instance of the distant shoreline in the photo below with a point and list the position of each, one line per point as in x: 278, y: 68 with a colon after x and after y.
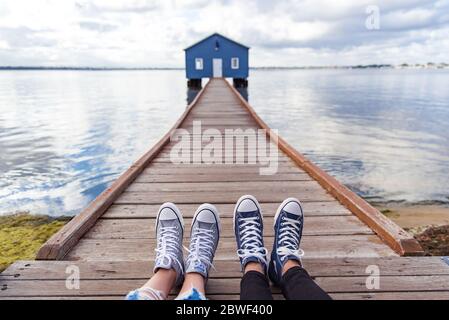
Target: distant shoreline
x: 429, y: 65
x: 83, y: 69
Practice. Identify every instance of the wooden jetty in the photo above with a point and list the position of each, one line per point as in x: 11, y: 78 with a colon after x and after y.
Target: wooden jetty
x: 112, y: 241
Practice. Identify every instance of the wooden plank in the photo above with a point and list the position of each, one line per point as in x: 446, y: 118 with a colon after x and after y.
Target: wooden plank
x: 222, y: 155
x: 417, y: 295
x: 11, y: 288
x: 144, y: 228
x: 397, y: 296
x: 231, y: 196
x: 235, y: 122
x: 224, y: 114
x: 60, y: 243
x: 242, y: 153
x: 56, y: 270
x: 314, y: 246
x: 219, y: 186
x: 397, y: 238
x: 236, y: 159
x: 216, y: 177
x: 339, y: 267
x: 164, y: 168
x: 327, y: 208
x: 221, y: 128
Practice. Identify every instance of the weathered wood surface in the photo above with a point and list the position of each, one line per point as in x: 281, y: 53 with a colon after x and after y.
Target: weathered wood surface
x: 125, y: 230
x: 144, y: 228
x: 139, y: 211
x: 314, y: 246
x: 400, y: 278
x: 142, y: 269
x: 113, y: 239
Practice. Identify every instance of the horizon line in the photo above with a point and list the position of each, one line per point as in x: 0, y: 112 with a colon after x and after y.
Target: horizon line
x: 382, y: 65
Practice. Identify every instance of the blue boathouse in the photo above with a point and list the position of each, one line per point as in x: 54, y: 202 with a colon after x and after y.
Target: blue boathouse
x: 217, y: 57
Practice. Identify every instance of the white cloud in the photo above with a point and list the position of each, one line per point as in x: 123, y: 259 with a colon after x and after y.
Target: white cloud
x: 153, y: 33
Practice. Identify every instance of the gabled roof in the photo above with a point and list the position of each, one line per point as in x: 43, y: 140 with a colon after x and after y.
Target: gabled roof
x: 213, y: 35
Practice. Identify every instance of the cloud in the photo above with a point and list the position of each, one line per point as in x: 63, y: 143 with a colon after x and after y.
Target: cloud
x: 102, y: 6
x: 153, y: 33
x: 97, y: 26
x: 23, y: 37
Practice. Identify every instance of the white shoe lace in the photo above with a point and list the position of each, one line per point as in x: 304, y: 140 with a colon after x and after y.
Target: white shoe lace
x: 168, y: 247
x: 202, y: 247
x: 289, y: 236
x: 251, y: 240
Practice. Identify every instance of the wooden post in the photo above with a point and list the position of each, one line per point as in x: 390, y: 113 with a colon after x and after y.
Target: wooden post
x: 240, y: 83
x: 194, y: 83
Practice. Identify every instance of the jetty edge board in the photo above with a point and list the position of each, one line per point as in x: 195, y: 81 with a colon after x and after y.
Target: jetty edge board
x: 60, y: 245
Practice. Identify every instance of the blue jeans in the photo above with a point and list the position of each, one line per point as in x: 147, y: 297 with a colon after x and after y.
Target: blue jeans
x: 193, y: 294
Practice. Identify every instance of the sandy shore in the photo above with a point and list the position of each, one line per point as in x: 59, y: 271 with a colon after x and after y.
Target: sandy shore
x: 416, y: 216
x: 429, y: 224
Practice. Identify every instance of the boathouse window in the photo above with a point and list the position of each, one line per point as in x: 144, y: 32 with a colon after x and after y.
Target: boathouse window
x: 199, y: 63
x: 235, y: 63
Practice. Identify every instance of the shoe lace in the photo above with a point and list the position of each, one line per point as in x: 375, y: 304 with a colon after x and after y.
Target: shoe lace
x: 202, y: 247
x: 251, y: 240
x: 289, y: 238
x: 168, y: 247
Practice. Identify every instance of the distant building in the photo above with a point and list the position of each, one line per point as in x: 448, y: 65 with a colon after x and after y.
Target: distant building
x: 217, y: 57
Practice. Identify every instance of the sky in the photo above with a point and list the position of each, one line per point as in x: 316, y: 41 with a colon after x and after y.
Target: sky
x: 153, y: 33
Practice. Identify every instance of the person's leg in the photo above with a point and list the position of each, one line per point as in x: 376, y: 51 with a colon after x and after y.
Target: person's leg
x: 254, y: 284
x: 248, y: 228
x: 194, y: 287
x: 285, y: 266
x: 204, y: 238
x: 168, y: 267
x: 296, y: 284
x: 157, y: 288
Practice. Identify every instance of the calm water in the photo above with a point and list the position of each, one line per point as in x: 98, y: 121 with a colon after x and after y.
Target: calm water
x: 66, y: 135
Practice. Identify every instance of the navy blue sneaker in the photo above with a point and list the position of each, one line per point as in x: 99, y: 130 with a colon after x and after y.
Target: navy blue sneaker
x: 248, y: 228
x: 288, y: 225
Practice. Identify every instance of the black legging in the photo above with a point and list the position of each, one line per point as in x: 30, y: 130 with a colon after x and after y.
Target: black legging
x: 296, y: 285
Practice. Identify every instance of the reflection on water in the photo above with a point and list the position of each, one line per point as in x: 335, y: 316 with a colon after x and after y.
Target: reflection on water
x: 66, y: 135
x: 384, y: 133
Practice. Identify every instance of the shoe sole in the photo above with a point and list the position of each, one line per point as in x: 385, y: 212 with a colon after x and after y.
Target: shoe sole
x: 253, y: 199
x: 211, y: 208
x: 176, y: 210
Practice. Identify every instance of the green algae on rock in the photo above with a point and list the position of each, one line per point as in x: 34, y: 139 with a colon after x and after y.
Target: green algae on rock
x: 21, y: 235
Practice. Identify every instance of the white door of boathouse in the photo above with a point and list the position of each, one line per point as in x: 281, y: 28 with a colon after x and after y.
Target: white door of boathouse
x: 217, y: 68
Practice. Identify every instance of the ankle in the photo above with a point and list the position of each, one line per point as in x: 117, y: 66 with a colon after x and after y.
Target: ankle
x: 290, y: 264
x: 254, y: 266
x: 194, y: 280
x: 148, y: 293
